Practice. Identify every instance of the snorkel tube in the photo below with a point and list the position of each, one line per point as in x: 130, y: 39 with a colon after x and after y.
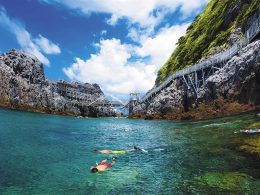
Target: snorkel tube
x: 140, y: 149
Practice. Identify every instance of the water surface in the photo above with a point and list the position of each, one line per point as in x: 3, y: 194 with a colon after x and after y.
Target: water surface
x: 48, y: 154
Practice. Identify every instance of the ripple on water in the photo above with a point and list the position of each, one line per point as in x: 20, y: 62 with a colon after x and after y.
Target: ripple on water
x: 45, y: 154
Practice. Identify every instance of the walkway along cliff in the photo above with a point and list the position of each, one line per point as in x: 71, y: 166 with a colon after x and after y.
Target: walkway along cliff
x: 223, y: 84
x: 23, y: 86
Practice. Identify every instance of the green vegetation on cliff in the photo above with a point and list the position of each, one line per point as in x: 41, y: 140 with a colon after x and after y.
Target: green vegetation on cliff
x: 212, y: 28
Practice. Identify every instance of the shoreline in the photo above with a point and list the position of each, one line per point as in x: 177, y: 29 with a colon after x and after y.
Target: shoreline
x: 27, y: 108
x: 34, y: 111
x: 233, y: 109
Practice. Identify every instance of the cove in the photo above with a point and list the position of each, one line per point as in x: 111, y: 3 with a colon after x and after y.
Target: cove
x: 49, y: 154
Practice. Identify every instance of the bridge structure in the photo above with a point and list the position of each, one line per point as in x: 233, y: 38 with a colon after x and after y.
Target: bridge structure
x: 195, y: 76
x: 103, y: 101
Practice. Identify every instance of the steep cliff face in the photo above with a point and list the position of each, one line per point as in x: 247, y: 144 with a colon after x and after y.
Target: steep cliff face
x: 233, y: 88
x: 217, y: 28
x: 23, y: 86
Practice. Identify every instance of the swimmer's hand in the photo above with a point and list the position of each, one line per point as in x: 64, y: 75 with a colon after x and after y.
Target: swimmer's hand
x: 143, y: 150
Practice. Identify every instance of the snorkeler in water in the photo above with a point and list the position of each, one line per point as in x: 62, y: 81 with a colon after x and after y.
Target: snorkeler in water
x: 102, y: 166
x: 134, y: 149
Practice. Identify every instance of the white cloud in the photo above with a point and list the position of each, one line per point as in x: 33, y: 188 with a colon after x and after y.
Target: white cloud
x: 146, y: 13
x: 26, y: 42
x: 113, y: 20
x: 122, y: 68
x: 192, y: 6
x: 47, y: 46
x: 103, y: 32
x: 161, y: 46
x: 134, y: 34
x: 111, y: 68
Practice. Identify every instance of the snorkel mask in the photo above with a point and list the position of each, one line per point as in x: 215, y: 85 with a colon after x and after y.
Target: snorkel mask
x: 93, y: 169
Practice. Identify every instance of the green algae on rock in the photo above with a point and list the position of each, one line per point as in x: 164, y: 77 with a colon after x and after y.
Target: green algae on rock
x: 255, y: 125
x: 251, y: 146
x: 229, y: 182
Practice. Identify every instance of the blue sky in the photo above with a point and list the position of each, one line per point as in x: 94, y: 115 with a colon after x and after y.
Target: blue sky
x: 118, y: 44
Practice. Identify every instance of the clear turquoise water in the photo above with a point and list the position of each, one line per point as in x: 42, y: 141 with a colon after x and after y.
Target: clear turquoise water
x: 47, y: 154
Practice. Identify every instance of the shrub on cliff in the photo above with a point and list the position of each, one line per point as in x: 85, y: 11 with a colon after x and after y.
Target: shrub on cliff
x: 212, y: 28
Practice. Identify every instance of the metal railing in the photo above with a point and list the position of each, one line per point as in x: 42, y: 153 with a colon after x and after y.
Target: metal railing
x: 249, y: 35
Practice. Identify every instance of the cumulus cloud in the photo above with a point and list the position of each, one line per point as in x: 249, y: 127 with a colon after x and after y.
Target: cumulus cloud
x: 122, y: 68
x: 36, y: 46
x: 146, y: 13
x: 161, y: 46
x: 111, y: 68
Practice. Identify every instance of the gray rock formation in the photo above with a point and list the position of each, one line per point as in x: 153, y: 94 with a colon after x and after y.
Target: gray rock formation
x: 238, y: 81
x: 23, y: 86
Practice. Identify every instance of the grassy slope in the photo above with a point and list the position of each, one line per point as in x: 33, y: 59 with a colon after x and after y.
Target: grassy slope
x: 212, y: 28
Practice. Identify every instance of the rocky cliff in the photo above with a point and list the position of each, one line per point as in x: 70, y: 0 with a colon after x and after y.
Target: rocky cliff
x: 23, y: 86
x: 233, y: 88
x: 214, y: 30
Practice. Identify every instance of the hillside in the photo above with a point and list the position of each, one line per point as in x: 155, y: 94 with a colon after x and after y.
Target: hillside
x: 209, y: 33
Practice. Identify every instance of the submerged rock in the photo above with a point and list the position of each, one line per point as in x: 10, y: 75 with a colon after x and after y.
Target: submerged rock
x: 227, y: 182
x: 251, y: 146
x: 255, y: 125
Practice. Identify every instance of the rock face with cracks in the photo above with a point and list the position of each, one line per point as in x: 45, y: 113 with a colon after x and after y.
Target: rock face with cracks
x: 23, y: 86
x: 233, y: 88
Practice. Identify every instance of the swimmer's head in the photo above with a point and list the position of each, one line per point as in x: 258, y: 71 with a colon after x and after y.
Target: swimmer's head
x: 94, y: 150
x: 93, y: 169
x: 114, y: 158
x: 136, y: 148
